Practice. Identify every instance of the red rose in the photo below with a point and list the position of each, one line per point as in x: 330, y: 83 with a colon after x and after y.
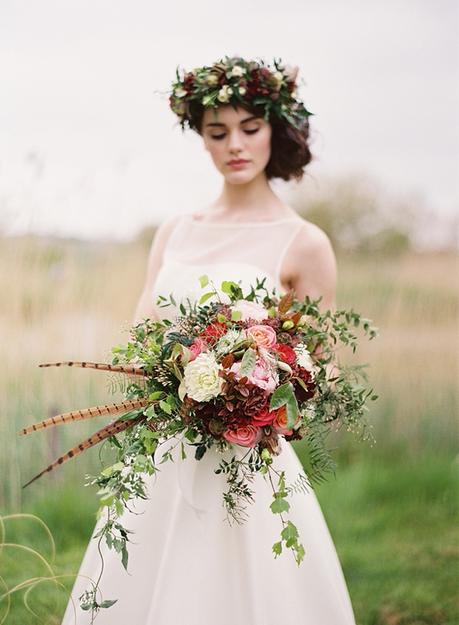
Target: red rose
x: 286, y: 353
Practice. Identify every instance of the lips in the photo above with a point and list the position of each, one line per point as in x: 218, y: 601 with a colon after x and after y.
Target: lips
x: 238, y: 161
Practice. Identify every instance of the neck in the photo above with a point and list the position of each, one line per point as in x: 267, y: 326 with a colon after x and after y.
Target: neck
x: 253, y: 198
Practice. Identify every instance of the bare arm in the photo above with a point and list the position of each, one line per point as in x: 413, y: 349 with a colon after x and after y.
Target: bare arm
x: 312, y: 266
x: 145, y: 304
x: 311, y: 263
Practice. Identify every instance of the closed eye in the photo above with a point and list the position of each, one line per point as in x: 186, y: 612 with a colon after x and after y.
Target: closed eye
x: 247, y: 132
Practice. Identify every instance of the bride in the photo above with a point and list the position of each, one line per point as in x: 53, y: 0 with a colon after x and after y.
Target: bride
x: 187, y: 566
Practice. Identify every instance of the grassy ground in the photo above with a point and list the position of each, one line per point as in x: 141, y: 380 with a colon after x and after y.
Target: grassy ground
x: 392, y: 507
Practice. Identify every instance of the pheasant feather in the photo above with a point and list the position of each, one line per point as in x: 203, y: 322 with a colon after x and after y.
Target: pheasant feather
x: 100, y: 435
x: 102, y: 366
x: 87, y: 413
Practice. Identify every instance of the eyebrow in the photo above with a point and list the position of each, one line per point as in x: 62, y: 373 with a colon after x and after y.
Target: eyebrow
x: 247, y: 119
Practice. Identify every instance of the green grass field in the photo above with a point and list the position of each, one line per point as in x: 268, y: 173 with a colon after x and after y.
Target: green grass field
x: 392, y: 508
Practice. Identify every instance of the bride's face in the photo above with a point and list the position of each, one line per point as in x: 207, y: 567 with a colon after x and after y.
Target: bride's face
x: 230, y: 135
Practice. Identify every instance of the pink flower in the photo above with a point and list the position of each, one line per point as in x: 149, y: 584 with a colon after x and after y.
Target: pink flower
x: 250, y: 310
x: 196, y: 347
x: 264, y: 336
x: 280, y: 422
x: 265, y: 417
x: 262, y: 375
x: 245, y: 435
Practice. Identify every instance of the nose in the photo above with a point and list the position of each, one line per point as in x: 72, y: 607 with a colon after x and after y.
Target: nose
x: 235, y: 143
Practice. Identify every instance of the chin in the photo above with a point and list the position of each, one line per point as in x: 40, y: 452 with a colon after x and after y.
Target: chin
x: 240, y: 177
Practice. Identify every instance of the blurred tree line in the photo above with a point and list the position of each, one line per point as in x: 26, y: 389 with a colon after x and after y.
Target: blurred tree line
x: 360, y: 216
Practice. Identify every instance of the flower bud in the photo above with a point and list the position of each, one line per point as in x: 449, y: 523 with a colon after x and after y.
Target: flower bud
x: 288, y: 324
x: 266, y: 456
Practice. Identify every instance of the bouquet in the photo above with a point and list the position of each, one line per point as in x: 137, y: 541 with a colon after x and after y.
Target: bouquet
x: 247, y: 371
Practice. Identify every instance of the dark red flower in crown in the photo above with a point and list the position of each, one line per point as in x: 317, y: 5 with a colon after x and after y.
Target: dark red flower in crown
x: 213, y: 332
x: 286, y: 353
x: 188, y: 82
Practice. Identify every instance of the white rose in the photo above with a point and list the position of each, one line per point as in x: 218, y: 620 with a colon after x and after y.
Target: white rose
x: 224, y: 93
x: 303, y: 357
x: 242, y: 90
x: 212, y: 79
x: 237, y: 71
x: 250, y: 310
x: 201, y: 378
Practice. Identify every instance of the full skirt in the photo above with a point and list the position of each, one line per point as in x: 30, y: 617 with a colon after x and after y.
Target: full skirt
x: 189, y: 566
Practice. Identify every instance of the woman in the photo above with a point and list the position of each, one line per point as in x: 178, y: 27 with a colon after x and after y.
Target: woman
x: 186, y: 565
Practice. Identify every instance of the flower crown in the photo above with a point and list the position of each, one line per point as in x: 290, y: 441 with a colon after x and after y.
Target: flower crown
x: 233, y: 80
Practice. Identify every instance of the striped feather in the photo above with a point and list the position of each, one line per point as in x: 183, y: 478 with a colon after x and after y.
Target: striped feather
x: 99, y: 436
x: 87, y: 413
x: 102, y: 366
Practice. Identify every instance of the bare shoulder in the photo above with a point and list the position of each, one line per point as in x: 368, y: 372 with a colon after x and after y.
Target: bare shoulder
x: 165, y: 228
x: 310, y: 263
x: 310, y: 242
x: 159, y: 241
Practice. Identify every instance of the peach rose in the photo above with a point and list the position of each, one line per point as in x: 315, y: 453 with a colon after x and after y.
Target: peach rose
x: 245, y: 435
x: 264, y: 336
x: 280, y: 422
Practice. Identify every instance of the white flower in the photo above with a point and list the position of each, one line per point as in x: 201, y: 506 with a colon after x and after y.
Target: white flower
x: 180, y: 93
x: 212, y: 79
x: 278, y: 79
x: 242, y: 90
x: 225, y: 93
x: 201, y: 378
x: 308, y: 411
x: 237, y: 71
x: 303, y: 357
x: 250, y: 310
x: 229, y: 340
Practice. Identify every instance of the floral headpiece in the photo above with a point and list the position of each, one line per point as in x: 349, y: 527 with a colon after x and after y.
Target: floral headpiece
x: 233, y: 80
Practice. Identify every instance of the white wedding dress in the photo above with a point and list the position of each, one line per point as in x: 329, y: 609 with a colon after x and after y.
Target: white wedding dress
x: 187, y: 564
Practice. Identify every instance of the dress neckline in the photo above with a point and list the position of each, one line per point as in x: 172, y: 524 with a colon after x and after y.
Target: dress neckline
x: 198, y: 222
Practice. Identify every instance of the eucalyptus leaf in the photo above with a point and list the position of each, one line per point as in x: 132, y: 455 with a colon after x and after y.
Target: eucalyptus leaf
x: 248, y: 362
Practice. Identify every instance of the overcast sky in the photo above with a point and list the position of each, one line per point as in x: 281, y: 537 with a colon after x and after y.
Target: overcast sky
x: 89, y: 148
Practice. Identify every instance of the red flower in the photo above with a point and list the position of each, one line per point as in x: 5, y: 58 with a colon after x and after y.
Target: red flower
x: 264, y: 417
x: 301, y: 393
x: 286, y: 353
x: 214, y: 331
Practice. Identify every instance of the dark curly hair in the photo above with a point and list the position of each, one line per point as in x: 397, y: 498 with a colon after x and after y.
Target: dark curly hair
x: 290, y: 151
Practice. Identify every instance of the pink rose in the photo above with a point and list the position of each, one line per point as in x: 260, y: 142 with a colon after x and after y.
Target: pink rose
x: 280, y: 422
x: 196, y: 347
x: 245, y: 435
x: 262, y: 375
x: 250, y: 310
x: 265, y: 417
x: 264, y: 336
